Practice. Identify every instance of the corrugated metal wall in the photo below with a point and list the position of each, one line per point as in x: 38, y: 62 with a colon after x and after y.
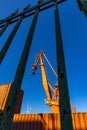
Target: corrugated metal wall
x: 47, y: 121
x: 38, y: 121
x: 4, y: 93
x: 80, y: 121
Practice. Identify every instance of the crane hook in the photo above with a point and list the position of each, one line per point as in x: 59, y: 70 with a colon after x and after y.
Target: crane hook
x: 34, y: 67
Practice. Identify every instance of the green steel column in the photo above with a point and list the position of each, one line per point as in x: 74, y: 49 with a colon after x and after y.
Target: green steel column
x: 64, y: 101
x: 9, y: 40
x: 6, y: 120
x: 82, y: 4
x: 6, y: 24
x: 4, y: 28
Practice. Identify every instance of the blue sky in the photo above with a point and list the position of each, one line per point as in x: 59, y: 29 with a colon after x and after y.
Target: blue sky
x: 73, y: 28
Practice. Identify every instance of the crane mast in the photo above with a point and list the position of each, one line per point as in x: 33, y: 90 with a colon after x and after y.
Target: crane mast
x: 52, y: 99
x: 44, y: 77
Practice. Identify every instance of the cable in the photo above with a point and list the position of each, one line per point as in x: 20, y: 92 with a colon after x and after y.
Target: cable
x: 50, y: 65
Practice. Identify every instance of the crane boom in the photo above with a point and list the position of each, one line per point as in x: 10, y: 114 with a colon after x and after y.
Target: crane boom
x: 44, y: 77
x: 52, y: 100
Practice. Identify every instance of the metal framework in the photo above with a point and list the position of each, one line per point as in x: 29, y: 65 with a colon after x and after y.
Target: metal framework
x: 82, y: 4
x: 65, y: 112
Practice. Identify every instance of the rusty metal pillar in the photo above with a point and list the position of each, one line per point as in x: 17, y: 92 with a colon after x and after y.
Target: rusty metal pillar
x: 64, y: 101
x: 6, y: 120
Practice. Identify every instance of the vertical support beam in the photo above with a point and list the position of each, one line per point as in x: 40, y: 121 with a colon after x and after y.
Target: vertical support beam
x: 6, y: 25
x: 6, y: 120
x: 4, y: 28
x: 9, y: 40
x: 82, y: 4
x: 64, y: 102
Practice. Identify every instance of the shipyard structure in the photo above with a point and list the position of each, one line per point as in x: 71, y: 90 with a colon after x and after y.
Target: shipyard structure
x: 61, y: 117
x: 46, y: 121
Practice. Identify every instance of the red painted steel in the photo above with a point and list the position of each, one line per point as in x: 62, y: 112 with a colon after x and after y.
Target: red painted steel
x: 19, y: 103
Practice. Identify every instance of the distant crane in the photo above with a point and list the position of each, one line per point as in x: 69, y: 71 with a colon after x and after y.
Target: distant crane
x: 52, y: 93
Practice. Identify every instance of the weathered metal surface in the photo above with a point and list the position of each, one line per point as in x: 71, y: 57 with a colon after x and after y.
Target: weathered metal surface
x: 82, y: 4
x: 4, y: 94
x: 9, y: 40
x: 4, y: 28
x: 64, y: 101
x: 43, y: 6
x: 19, y: 103
x: 47, y: 121
x: 6, y: 120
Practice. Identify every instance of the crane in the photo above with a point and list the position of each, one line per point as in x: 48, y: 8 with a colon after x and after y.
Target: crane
x: 52, y: 92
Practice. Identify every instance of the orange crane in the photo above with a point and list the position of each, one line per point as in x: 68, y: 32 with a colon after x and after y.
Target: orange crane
x: 52, y: 93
